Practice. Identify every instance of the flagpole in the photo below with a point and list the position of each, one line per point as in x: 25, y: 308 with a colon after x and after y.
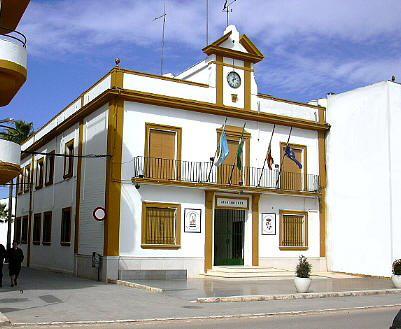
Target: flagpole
x: 236, y: 159
x: 215, y: 153
x: 282, y: 158
x: 267, y: 154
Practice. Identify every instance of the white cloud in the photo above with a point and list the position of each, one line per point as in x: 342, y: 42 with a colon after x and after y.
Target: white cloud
x: 60, y: 27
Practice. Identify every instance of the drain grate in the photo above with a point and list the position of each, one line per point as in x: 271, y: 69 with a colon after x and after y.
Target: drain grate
x: 50, y: 299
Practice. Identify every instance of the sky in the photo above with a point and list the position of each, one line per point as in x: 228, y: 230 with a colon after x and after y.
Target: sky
x: 311, y: 47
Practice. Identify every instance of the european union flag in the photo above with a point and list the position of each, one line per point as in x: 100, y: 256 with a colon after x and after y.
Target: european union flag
x: 224, y: 150
x: 289, y: 152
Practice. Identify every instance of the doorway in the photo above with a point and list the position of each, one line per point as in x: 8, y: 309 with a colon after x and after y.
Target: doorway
x: 229, y: 229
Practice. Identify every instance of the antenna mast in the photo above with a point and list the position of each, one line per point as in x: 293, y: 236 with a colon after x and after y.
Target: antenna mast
x: 227, y: 9
x: 164, y: 16
x: 207, y: 22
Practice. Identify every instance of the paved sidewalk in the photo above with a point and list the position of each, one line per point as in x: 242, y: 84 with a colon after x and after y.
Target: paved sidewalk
x: 192, y: 289
x: 50, y: 297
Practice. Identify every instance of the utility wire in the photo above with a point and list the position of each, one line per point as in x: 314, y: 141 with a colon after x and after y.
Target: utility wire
x: 89, y: 156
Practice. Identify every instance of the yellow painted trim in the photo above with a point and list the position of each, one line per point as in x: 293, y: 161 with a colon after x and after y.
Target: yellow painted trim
x: 294, y: 212
x: 8, y: 171
x: 113, y: 177
x: 219, y: 80
x: 223, y: 188
x: 304, y: 162
x: 255, y: 229
x: 78, y: 187
x: 247, y: 87
x: 250, y: 46
x: 209, y: 196
x: 178, y: 225
x: 12, y: 77
x: 322, y: 199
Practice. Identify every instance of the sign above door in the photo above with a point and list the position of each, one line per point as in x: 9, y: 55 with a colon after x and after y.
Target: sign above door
x: 232, y: 203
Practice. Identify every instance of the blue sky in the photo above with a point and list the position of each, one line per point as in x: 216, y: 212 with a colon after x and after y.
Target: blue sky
x: 311, y: 46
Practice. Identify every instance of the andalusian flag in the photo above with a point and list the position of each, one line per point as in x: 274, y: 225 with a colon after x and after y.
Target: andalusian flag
x: 240, y: 152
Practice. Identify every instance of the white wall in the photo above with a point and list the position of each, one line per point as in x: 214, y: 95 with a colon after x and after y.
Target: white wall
x: 93, y: 182
x: 360, y: 190
x: 4, y: 224
x: 269, y: 244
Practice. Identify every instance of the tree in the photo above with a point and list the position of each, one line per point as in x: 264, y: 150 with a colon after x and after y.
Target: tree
x: 3, y: 212
x: 19, y: 133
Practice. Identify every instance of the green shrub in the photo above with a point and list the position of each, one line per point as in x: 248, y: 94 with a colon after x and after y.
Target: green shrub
x: 303, y: 268
x: 397, y: 267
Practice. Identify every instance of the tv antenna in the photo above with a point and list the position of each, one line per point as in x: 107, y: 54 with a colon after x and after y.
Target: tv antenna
x: 164, y: 17
x: 227, y: 9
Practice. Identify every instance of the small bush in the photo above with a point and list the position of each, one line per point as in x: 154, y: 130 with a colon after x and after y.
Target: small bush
x: 397, y: 267
x: 303, y: 268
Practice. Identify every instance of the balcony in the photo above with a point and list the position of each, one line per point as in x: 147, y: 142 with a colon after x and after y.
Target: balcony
x: 9, y: 161
x: 13, y: 64
x: 11, y: 12
x: 204, y: 174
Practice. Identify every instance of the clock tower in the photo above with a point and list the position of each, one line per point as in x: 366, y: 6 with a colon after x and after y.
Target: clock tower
x: 235, y: 56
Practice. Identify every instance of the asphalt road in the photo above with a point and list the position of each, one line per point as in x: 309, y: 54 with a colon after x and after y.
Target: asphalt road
x: 380, y: 318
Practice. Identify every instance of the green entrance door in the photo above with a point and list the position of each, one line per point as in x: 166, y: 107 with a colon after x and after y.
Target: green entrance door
x: 229, y: 225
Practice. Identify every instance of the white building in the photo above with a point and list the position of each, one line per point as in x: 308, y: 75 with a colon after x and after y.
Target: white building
x: 167, y: 207
x: 364, y: 177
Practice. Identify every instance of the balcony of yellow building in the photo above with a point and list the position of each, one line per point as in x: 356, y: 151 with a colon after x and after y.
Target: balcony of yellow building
x: 10, y: 154
x: 11, y: 12
x: 13, y: 64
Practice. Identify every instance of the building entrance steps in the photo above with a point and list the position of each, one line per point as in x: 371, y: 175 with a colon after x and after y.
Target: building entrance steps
x: 266, y: 273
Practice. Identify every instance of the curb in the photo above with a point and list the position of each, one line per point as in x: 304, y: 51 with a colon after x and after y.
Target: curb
x: 4, y: 321
x: 210, y: 317
x: 138, y: 286
x: 257, y: 298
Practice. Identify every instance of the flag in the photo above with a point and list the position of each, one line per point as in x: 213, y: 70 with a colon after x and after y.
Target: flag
x: 289, y: 152
x: 270, y: 160
x: 224, y: 150
x: 240, y: 150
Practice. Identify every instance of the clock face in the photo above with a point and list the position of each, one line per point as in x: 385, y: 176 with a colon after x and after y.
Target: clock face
x: 234, y: 80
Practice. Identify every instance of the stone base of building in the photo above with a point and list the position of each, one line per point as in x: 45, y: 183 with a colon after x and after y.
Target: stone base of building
x: 319, y: 264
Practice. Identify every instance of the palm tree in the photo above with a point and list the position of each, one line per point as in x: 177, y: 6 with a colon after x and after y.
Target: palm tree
x: 3, y: 212
x: 19, y: 133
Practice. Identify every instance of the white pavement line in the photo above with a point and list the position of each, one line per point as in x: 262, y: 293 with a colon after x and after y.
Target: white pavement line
x: 138, y: 286
x: 258, y: 298
x: 209, y: 317
x: 4, y: 321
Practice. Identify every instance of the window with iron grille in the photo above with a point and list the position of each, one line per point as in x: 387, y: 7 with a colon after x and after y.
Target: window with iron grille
x: 24, y: 231
x: 47, y: 228
x: 66, y: 227
x: 161, y: 225
x: 293, y: 230
x: 37, y: 226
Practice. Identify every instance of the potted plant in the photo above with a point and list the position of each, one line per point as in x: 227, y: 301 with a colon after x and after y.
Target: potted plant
x: 302, y: 280
x: 397, y: 273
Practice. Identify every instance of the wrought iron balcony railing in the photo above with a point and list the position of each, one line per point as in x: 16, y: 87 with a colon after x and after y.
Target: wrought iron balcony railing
x: 158, y: 169
x: 12, y: 36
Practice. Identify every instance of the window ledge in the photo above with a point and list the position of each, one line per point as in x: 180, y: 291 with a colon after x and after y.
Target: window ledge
x: 46, y: 243
x: 65, y: 244
x: 160, y: 246
x: 36, y: 243
x: 287, y: 248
